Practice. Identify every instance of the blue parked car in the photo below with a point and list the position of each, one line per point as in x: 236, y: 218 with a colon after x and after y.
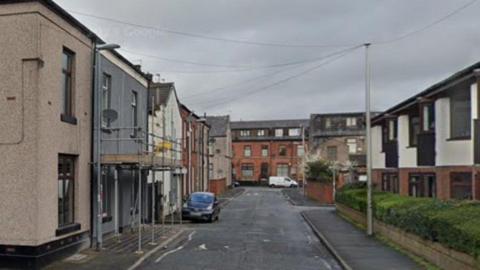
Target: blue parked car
x: 202, y: 206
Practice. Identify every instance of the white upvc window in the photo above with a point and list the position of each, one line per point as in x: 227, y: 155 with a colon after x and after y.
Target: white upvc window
x: 351, y: 121
x: 352, y: 146
x: 278, y: 132
x: 294, y: 132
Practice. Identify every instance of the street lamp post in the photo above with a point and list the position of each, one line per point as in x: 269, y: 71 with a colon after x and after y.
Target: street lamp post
x: 98, y: 96
x: 369, y: 142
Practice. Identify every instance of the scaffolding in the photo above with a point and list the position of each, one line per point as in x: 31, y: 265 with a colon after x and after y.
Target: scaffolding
x: 154, y: 153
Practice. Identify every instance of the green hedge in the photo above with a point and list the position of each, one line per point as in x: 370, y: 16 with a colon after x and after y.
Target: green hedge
x: 455, y: 224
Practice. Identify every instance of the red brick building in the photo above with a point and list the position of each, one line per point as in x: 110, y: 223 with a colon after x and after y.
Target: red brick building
x: 195, y: 156
x: 268, y: 148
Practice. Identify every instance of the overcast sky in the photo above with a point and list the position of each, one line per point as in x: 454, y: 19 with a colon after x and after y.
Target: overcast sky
x: 240, y: 82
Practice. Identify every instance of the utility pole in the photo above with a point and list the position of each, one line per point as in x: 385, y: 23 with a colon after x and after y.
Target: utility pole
x: 369, y: 142
x: 98, y: 142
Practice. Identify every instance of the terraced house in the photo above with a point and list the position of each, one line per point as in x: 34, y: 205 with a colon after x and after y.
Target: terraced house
x: 268, y: 148
x: 429, y: 144
x: 46, y: 123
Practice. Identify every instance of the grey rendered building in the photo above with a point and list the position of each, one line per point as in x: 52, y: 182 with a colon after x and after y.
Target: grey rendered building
x: 124, y: 89
x: 220, y: 150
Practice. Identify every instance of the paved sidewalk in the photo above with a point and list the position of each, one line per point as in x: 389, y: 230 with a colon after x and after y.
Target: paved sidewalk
x: 119, y: 254
x: 352, y: 247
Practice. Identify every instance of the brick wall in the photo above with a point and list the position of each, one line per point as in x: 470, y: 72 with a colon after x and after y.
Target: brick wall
x: 217, y: 186
x: 321, y: 192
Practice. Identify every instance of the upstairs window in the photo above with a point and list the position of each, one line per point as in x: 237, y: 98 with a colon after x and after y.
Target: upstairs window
x: 67, y: 83
x: 260, y: 132
x: 264, y: 150
x: 332, y: 153
x: 245, y: 133
x: 428, y: 117
x: 413, y: 129
x: 247, y: 151
x: 328, y: 123
x: 460, y: 115
x: 282, y: 150
x: 278, y: 132
x: 351, y: 122
x: 300, y: 150
x: 352, y: 146
x: 106, y: 95
x: 134, y: 113
x: 294, y: 132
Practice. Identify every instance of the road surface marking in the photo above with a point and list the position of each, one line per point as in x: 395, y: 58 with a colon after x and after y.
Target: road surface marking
x: 168, y: 253
x: 175, y: 250
x: 202, y: 247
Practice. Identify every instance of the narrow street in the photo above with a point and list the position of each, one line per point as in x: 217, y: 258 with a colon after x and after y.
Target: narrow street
x: 259, y: 229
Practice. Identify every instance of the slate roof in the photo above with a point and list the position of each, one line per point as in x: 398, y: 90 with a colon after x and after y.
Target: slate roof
x: 218, y: 125
x: 270, y: 124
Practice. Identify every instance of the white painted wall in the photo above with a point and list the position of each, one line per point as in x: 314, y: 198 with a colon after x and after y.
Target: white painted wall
x: 378, y: 158
x: 407, y: 156
x: 450, y: 152
x: 173, y: 132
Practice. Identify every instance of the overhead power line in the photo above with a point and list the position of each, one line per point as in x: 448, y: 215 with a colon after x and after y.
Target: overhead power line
x: 218, y: 89
x: 207, y: 37
x: 260, y: 89
x: 421, y: 29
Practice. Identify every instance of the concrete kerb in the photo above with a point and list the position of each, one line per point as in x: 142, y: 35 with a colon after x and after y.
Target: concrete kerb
x: 151, y: 252
x: 327, y: 244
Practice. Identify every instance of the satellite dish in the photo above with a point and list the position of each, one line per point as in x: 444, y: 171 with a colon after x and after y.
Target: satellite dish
x: 110, y: 115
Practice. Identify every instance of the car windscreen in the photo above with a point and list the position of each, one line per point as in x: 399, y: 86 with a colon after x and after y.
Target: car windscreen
x: 201, y: 198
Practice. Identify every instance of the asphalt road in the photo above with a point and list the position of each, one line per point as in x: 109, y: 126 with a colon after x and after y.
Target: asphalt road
x: 258, y: 230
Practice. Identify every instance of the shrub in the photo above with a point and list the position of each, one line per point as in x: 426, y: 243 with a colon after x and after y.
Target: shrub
x: 319, y: 170
x: 454, y: 224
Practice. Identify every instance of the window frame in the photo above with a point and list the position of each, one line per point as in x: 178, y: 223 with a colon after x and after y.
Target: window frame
x: 282, y: 153
x: 329, y: 147
x: 453, y: 185
x: 455, y: 99
x: 294, y: 132
x: 134, y: 107
x: 302, y: 152
x: 261, y: 133
x: 108, y: 90
x: 250, y: 167
x: 414, y: 128
x: 279, y: 132
x: 68, y: 89
x: 244, y: 133
x: 63, y: 177
x: 245, y: 148
x: 263, y: 149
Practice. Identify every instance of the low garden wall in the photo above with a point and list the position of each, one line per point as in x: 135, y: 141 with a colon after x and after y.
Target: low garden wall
x: 217, y: 186
x: 321, y: 192
x: 446, y: 234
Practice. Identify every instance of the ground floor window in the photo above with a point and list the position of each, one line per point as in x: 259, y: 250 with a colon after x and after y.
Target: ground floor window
x: 247, y: 170
x: 106, y: 192
x: 422, y: 185
x: 461, y: 185
x: 390, y: 182
x: 282, y: 170
x: 66, y: 180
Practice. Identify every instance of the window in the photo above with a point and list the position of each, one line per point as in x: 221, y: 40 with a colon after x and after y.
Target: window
x: 332, y: 153
x: 282, y: 150
x: 300, y: 150
x: 247, y: 170
x: 351, y: 121
x: 461, y: 186
x: 278, y: 132
x: 210, y: 170
x: 106, y: 95
x: 247, y: 151
x: 67, y: 85
x: 294, y: 132
x: 260, y: 132
x: 282, y: 170
x: 422, y: 185
x: 328, y: 123
x: 352, y: 146
x: 106, y: 205
x: 428, y: 117
x: 392, y: 130
x: 413, y: 129
x: 134, y: 113
x: 390, y: 182
x: 460, y: 115
x: 66, y: 180
x: 264, y: 150
x: 245, y: 133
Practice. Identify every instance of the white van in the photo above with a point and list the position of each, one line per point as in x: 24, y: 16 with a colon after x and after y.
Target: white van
x: 281, y: 181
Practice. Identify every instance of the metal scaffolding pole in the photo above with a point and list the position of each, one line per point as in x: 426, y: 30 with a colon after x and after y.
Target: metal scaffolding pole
x: 139, y: 210
x: 115, y: 176
x: 369, y: 143
x: 153, y: 173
